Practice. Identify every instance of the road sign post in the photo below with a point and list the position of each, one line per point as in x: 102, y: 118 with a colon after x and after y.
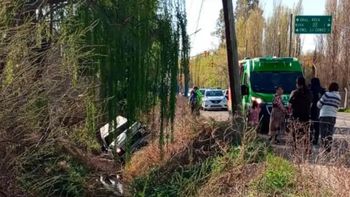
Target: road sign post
x: 313, y: 25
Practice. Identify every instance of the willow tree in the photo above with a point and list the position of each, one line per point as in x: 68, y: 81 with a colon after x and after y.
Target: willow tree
x: 136, y: 45
x: 185, y: 48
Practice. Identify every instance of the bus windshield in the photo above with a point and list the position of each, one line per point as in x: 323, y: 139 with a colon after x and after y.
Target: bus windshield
x: 266, y: 82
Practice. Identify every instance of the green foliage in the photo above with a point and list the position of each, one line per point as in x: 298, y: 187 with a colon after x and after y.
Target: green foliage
x: 185, y: 44
x: 91, y: 117
x: 220, y: 163
x: 279, y: 176
x: 184, y: 181
x: 86, y: 137
x: 345, y: 110
x: 254, y: 152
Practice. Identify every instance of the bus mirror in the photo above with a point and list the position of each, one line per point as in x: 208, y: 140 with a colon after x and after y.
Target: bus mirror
x: 244, y: 90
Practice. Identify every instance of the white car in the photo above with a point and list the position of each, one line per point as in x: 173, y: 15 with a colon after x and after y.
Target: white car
x: 214, y: 99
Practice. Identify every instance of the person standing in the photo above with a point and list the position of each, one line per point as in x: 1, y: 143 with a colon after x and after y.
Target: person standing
x: 300, y: 101
x: 253, y: 116
x: 195, y: 100
x: 329, y: 105
x: 277, y: 115
x: 300, y: 104
x: 317, y: 92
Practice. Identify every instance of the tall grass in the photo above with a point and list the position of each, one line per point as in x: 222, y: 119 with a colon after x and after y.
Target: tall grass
x: 183, y: 181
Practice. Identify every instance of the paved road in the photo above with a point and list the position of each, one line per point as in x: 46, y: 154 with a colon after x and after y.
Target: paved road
x: 341, y: 137
x: 343, y: 119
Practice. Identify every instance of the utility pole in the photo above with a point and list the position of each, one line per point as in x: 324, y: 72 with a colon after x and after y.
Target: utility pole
x: 232, y: 57
x: 290, y: 34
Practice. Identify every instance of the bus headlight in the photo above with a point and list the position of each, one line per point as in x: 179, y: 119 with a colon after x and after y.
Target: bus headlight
x: 258, y: 100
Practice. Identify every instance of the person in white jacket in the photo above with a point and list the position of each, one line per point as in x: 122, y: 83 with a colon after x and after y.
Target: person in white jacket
x: 329, y: 105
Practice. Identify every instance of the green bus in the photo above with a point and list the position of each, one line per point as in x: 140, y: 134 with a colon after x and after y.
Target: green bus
x: 259, y: 78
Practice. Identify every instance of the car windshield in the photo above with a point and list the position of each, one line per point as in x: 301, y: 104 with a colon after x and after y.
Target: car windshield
x: 266, y: 82
x: 214, y: 93
x: 202, y: 91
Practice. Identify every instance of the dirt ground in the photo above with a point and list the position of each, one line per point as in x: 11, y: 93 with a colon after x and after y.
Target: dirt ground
x: 216, y: 115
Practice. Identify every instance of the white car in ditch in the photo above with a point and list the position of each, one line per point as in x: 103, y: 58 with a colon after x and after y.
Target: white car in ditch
x: 115, y: 137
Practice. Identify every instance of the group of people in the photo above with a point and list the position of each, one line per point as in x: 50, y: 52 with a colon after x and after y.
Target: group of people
x: 311, y: 107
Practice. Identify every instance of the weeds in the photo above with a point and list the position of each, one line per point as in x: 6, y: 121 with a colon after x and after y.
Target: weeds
x: 50, y: 173
x: 221, y: 163
x: 279, y: 176
x: 184, y: 181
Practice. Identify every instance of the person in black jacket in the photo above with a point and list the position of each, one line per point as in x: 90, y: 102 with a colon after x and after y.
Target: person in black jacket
x: 317, y: 92
x: 300, y: 103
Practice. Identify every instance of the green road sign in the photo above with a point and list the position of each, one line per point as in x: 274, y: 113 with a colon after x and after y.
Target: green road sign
x: 313, y: 24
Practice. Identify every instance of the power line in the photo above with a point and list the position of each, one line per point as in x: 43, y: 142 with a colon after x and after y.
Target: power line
x: 198, y: 19
x: 199, y: 15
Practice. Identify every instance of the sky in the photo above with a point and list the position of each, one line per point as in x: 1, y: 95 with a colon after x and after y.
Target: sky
x: 203, y: 21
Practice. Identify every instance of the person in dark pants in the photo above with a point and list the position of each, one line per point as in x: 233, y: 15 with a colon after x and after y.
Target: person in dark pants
x: 300, y: 104
x: 193, y: 99
x: 317, y: 92
x: 329, y: 105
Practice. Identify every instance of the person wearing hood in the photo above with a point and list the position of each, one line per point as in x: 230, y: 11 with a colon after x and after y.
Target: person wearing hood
x: 317, y: 91
x: 329, y: 105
